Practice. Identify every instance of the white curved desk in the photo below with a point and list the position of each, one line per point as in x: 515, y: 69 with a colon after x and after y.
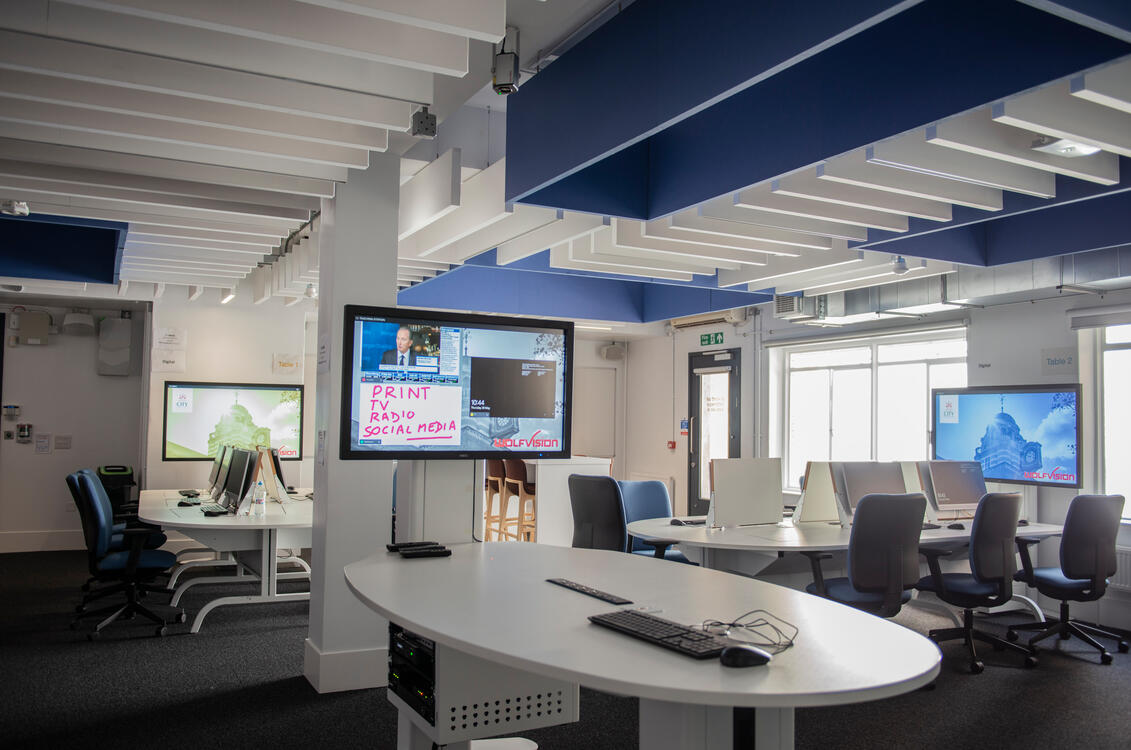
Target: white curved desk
x: 750, y: 549
x: 492, y: 601
x: 252, y: 544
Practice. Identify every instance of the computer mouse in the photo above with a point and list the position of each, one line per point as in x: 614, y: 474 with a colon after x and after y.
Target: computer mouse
x: 678, y: 522
x: 956, y: 526
x: 1022, y: 522
x: 185, y: 504
x: 743, y: 655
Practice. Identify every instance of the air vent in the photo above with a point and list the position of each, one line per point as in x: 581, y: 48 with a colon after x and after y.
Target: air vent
x: 794, y: 308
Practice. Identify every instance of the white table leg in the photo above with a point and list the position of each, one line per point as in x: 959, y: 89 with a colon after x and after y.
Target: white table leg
x: 1032, y: 606
x: 182, y: 567
x: 928, y: 601
x: 409, y: 736
x: 681, y: 726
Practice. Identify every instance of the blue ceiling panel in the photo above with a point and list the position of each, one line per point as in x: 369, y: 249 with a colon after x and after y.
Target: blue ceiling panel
x: 653, y: 64
x: 57, y: 248
x: 1067, y: 228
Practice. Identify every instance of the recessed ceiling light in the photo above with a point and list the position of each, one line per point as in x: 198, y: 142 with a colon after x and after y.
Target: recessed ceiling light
x: 1062, y: 146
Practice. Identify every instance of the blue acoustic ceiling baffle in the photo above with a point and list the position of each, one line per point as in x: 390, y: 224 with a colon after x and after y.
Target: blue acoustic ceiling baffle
x: 60, y: 248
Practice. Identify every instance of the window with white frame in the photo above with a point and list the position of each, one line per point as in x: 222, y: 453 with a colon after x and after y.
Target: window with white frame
x: 1115, y: 375
x: 865, y: 399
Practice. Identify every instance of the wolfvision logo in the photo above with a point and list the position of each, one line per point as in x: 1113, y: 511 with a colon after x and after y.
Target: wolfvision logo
x: 532, y: 442
x: 1055, y: 475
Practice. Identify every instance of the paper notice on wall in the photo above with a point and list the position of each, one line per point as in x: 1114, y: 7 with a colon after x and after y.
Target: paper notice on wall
x: 43, y: 442
x: 320, y: 449
x: 409, y: 414
x: 286, y: 364
x: 323, y: 353
x: 168, y: 360
x: 171, y: 338
x: 62, y: 442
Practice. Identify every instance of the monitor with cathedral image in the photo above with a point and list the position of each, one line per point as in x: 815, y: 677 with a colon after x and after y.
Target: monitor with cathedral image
x: 200, y: 418
x: 1018, y: 434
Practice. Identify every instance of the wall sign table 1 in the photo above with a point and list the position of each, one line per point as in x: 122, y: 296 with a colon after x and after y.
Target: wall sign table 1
x: 491, y: 601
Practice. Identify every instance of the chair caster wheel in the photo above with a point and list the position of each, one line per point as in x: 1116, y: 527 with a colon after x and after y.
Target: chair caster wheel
x: 1105, y: 658
x: 1011, y: 636
x: 182, y: 616
x: 1123, y: 645
x: 977, y: 667
x: 92, y: 636
x: 160, y: 632
x: 1030, y: 662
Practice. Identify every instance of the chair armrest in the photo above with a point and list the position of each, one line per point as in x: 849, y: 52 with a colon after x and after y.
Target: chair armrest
x: 818, y: 575
x: 1023, y: 543
x: 136, y: 538
x: 933, y: 554
x: 659, y: 545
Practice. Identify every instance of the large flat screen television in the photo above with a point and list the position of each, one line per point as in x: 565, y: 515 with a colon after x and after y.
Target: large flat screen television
x: 200, y: 418
x: 1019, y: 434
x: 426, y: 384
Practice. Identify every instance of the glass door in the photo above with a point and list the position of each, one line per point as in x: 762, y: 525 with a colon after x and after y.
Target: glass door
x: 715, y: 405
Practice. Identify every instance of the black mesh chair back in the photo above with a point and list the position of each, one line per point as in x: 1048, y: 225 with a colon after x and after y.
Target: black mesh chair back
x: 598, y: 513
x: 1087, y: 547
x: 993, y: 557
x: 883, y: 550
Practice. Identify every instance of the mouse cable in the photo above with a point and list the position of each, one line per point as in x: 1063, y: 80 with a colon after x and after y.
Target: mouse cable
x: 758, y: 627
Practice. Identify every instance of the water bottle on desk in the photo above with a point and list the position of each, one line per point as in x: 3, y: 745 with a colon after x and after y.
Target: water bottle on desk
x: 259, y: 500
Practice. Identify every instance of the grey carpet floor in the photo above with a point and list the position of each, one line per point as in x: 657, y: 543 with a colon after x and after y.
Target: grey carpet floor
x: 239, y: 684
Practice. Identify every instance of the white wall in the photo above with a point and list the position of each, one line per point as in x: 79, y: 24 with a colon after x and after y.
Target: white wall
x: 226, y: 343
x: 59, y: 391
x: 587, y: 356
x: 657, y: 391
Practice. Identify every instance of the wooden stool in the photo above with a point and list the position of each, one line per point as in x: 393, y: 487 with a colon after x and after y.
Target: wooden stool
x: 494, y: 493
x: 525, y: 522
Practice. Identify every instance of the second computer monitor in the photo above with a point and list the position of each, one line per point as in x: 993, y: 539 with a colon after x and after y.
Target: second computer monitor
x: 239, y: 476
x: 855, y: 479
x: 222, y: 472
x: 957, y: 485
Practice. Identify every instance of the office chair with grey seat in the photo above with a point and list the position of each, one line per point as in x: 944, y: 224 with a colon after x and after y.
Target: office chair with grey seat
x: 598, y: 513
x: 883, y: 555
x: 990, y: 580
x: 1087, y: 558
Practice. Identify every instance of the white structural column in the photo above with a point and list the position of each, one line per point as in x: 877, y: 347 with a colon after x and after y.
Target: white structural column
x: 347, y: 643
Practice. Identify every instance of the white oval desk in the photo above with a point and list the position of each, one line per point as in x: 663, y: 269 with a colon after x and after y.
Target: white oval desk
x: 492, y: 601
x: 251, y: 542
x: 748, y: 550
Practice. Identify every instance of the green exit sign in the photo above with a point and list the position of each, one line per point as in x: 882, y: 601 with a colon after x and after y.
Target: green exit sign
x: 708, y: 339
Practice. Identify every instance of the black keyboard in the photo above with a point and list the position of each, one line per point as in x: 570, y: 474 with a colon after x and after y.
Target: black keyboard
x: 213, y: 508
x: 589, y: 591
x: 657, y: 630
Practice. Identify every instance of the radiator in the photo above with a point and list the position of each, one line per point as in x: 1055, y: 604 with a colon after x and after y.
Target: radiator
x: 1122, y: 577
x: 639, y: 476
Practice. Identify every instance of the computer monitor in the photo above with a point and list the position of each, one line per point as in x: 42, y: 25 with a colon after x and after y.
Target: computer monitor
x: 441, y: 385
x: 278, y: 466
x: 855, y: 479
x: 214, y: 474
x: 239, y: 478
x: 222, y: 473
x: 245, y: 415
x: 957, y: 485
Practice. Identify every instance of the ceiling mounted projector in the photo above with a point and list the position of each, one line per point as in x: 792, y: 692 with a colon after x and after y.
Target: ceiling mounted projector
x: 14, y: 208
x: 423, y: 124
x: 1062, y: 146
x: 899, y: 266
x: 504, y: 69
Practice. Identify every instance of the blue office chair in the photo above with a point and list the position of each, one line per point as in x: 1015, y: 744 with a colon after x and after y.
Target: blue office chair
x: 1087, y: 558
x: 990, y: 580
x: 649, y: 499
x: 883, y: 555
x: 117, y: 541
x: 133, y: 569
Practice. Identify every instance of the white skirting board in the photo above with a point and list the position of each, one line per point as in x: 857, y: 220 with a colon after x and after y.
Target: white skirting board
x: 337, y: 671
x: 41, y: 541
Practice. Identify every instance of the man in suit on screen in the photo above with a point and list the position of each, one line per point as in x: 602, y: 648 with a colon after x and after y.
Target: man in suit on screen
x: 403, y: 355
